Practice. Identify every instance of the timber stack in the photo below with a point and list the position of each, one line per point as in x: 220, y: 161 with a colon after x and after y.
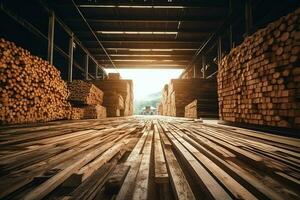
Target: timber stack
x: 164, y: 101
x: 86, y: 100
x: 259, y: 81
x: 114, y: 103
x: 159, y: 108
x: 31, y: 89
x: 201, y: 108
x: 182, y: 92
x: 123, y: 87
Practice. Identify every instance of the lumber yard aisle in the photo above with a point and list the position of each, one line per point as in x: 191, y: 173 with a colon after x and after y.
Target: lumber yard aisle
x: 227, y: 127
x: 146, y: 157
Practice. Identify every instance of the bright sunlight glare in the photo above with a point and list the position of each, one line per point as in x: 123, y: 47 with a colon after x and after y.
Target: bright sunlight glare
x: 147, y: 81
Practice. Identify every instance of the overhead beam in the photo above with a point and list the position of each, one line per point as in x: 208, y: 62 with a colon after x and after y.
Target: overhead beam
x: 145, y: 56
x: 150, y: 19
x: 151, y: 4
x: 146, y: 45
x: 146, y: 31
x: 141, y: 41
x: 147, y: 66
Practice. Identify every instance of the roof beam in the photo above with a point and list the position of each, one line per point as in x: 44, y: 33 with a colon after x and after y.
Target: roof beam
x: 146, y: 45
x: 153, y: 19
x: 152, y: 4
x: 145, y: 31
x: 136, y: 40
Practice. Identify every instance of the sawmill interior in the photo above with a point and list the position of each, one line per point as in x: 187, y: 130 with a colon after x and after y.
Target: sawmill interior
x: 225, y: 126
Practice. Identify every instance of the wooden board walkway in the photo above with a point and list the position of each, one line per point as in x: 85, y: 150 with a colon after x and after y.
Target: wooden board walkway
x: 146, y: 157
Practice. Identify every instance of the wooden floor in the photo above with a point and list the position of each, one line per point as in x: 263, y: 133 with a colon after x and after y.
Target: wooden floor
x: 146, y: 158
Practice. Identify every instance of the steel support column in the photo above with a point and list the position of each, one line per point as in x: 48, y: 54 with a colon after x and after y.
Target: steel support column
x: 219, y: 49
x: 248, y: 16
x: 86, y: 67
x: 203, y: 66
x: 96, y: 72
x: 230, y: 26
x: 71, y: 48
x: 51, y: 26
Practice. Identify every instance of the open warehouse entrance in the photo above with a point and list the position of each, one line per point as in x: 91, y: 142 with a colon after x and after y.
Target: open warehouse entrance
x: 105, y: 99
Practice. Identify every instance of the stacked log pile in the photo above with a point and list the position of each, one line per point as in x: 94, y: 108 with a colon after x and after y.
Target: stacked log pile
x: 181, y: 92
x: 86, y: 100
x: 146, y: 158
x: 122, y: 87
x: 31, y: 90
x: 259, y: 80
x: 114, y: 103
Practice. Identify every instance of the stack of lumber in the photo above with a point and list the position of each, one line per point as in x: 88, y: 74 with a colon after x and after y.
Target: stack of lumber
x: 114, y: 76
x: 259, y: 80
x: 122, y: 87
x: 160, y: 108
x: 208, y: 109
x: 113, y: 102
x: 86, y: 100
x: 31, y: 90
x: 146, y: 157
x: 182, y: 92
x: 84, y: 93
x: 164, y: 100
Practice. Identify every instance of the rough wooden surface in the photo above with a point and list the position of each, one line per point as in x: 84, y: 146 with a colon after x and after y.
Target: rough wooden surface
x: 146, y: 157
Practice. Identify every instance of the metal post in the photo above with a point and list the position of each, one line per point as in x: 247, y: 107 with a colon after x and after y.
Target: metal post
x: 203, y: 66
x: 248, y: 16
x: 51, y: 37
x: 96, y: 72
x: 230, y: 37
x: 70, y: 69
x: 230, y: 26
x: 219, y: 49
x: 86, y: 69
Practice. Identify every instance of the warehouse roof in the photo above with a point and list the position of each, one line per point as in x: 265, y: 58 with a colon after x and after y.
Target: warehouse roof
x: 144, y: 34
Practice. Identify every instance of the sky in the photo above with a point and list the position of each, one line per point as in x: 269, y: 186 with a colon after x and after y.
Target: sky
x: 147, y: 81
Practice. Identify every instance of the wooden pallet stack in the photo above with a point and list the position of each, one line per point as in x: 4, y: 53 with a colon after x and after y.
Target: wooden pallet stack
x: 122, y: 87
x: 31, y: 90
x: 181, y: 92
x: 86, y: 100
x: 259, y: 80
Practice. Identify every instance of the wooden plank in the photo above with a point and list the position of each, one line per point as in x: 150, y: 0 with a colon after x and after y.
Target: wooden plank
x: 161, y: 173
x: 179, y: 183
x: 141, y: 190
x: 42, y: 190
x: 207, y: 182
